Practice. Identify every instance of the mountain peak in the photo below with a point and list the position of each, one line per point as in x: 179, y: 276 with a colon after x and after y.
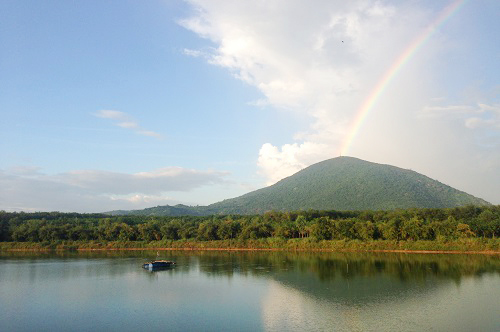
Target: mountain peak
x: 349, y: 183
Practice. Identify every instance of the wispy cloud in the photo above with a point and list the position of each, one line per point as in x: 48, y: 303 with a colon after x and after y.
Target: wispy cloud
x: 194, y: 53
x: 149, y: 133
x: 123, y: 120
x: 473, y: 116
x: 262, y: 103
x: 111, y: 114
x: 435, y: 111
x: 128, y: 125
x: 490, y: 118
x: 103, y: 191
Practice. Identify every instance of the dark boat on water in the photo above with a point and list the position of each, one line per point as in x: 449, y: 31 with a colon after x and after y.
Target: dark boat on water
x: 158, y: 265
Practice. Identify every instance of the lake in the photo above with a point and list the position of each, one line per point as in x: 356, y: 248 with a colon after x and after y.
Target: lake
x: 249, y: 291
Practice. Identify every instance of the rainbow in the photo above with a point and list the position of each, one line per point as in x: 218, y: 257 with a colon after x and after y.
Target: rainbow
x: 363, y: 111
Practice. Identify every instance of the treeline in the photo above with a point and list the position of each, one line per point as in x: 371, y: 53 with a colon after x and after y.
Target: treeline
x: 398, y: 225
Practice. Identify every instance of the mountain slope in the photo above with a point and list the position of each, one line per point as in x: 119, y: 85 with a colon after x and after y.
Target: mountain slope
x: 347, y: 183
x: 342, y: 183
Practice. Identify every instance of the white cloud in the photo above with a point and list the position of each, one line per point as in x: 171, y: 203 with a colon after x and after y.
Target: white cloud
x: 324, y: 60
x: 124, y: 120
x: 99, y: 190
x: 320, y: 60
x: 155, y: 182
x: 276, y: 163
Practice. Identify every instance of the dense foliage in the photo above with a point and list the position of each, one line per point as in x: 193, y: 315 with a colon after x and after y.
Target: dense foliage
x: 342, y: 183
x: 397, y: 225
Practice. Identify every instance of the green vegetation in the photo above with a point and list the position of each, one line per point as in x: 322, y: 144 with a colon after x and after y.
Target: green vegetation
x: 342, y: 183
x: 469, y: 228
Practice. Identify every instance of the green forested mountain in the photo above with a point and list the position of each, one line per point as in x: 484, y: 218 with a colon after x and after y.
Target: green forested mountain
x: 342, y: 183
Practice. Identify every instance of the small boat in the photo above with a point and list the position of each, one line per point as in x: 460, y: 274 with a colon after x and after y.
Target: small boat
x: 158, y: 265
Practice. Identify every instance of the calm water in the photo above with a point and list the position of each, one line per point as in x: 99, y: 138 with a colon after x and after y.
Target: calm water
x: 264, y: 291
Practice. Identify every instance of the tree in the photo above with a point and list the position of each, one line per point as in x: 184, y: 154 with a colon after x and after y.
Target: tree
x: 301, y: 224
x: 229, y: 229
x: 149, y: 231
x: 344, y: 229
x: 444, y: 229
x: 286, y: 230
x: 207, y: 231
x: 489, y: 223
x: 364, y: 230
x: 390, y: 229
x: 256, y: 229
x: 126, y: 232
x: 170, y: 230
x: 464, y: 231
x: 321, y: 229
x: 411, y: 229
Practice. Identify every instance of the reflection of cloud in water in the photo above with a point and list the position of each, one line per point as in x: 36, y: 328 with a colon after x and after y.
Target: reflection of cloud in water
x: 290, y: 309
x: 287, y: 309
x: 446, y: 307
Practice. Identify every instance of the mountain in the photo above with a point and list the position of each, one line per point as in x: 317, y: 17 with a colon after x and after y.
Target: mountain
x: 342, y: 183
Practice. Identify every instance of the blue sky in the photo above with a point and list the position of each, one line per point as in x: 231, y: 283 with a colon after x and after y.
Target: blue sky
x: 125, y: 104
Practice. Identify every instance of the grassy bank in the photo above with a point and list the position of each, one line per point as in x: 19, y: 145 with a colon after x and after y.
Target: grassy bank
x: 460, y: 245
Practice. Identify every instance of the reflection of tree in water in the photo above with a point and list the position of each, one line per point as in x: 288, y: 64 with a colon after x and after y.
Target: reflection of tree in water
x: 329, y: 266
x: 344, y: 278
x: 347, y: 276
x: 324, y: 266
x: 369, y: 277
x: 351, y: 276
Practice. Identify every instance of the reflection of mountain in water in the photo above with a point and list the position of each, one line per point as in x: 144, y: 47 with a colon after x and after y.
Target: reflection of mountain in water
x: 352, y: 277
x: 358, y: 288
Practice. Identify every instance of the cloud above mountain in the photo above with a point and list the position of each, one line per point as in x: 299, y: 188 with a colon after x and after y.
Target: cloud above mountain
x: 325, y: 59
x: 321, y: 60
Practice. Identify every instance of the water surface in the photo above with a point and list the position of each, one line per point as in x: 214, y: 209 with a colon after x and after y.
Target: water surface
x: 249, y: 291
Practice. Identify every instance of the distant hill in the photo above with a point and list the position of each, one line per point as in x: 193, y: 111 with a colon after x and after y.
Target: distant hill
x: 342, y: 183
x: 165, y: 210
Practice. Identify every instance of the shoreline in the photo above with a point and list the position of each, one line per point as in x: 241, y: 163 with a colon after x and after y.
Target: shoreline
x: 401, y: 251
x: 460, y: 246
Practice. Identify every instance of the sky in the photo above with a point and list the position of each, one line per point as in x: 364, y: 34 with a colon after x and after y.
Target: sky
x: 119, y: 104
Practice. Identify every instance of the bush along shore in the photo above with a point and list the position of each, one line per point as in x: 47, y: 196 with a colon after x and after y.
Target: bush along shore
x: 462, y: 229
x: 487, y: 246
